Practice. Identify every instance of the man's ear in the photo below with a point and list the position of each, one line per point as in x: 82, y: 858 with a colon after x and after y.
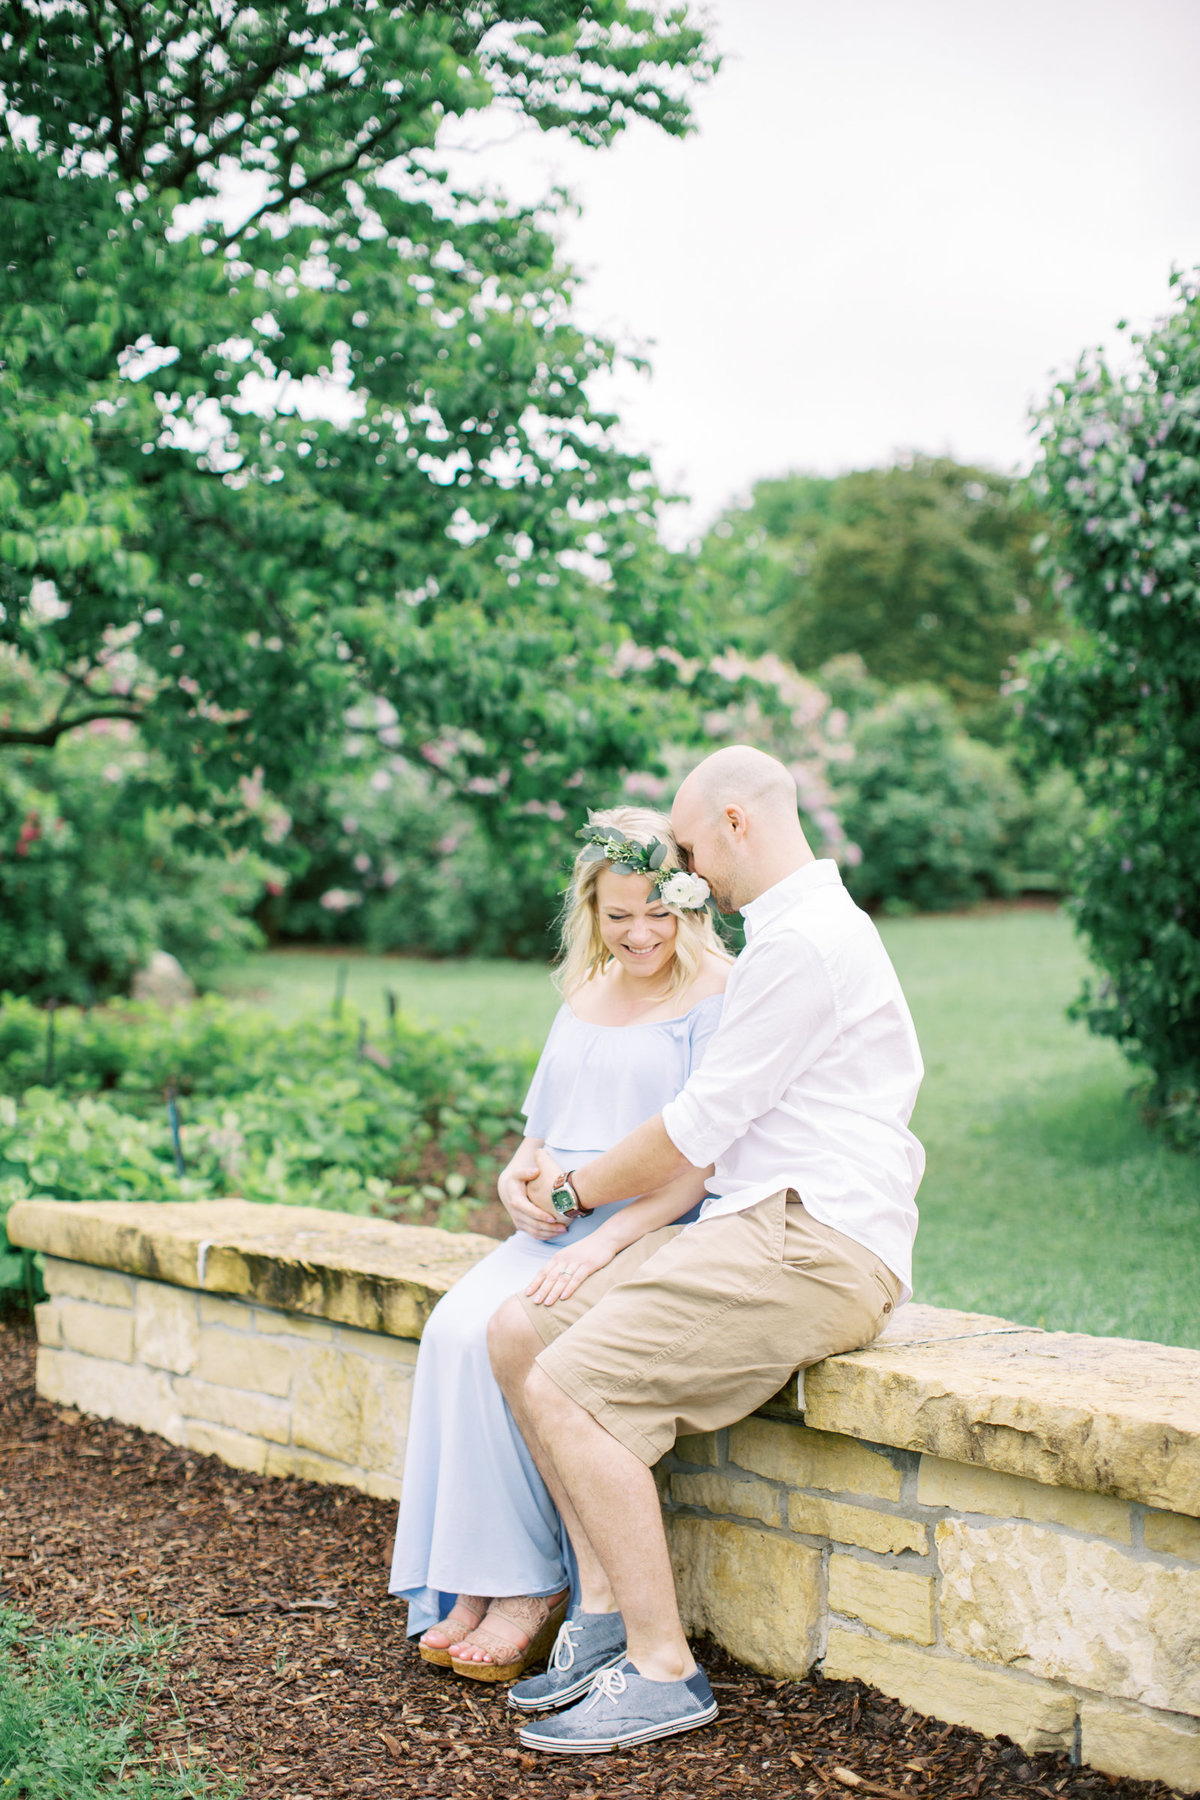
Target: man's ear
x: 735, y: 818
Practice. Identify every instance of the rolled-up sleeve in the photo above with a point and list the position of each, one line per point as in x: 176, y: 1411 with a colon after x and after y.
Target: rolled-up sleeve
x: 780, y: 1014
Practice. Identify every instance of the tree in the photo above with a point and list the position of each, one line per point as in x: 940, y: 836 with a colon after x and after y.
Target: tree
x: 1118, y: 702
x: 188, y: 542
x: 926, y: 570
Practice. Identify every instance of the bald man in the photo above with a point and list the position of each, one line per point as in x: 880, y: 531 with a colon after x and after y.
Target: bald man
x: 803, y: 1248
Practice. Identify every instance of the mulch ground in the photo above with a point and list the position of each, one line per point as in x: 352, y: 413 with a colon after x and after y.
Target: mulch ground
x: 293, y: 1669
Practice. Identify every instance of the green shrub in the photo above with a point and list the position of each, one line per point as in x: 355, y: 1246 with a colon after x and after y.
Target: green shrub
x: 94, y: 876
x: 930, y: 809
x: 382, y: 854
x: 305, y: 1114
x: 1118, y: 704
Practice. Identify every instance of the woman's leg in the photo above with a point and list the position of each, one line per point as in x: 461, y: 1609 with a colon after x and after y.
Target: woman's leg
x: 475, y: 1517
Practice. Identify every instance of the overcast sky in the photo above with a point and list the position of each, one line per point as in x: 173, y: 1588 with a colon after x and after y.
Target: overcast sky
x: 897, y: 220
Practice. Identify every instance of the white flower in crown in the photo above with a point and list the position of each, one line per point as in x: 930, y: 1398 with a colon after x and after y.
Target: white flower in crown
x: 688, y: 892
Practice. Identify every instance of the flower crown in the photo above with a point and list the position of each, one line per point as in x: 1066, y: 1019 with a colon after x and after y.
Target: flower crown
x: 676, y: 888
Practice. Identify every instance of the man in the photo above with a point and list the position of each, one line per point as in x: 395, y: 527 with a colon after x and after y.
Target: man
x: 802, y: 1249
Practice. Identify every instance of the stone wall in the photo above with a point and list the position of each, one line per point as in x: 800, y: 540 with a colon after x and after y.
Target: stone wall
x: 996, y: 1525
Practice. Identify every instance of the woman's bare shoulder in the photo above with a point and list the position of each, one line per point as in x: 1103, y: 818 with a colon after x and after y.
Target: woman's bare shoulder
x: 714, y: 973
x: 591, y: 1000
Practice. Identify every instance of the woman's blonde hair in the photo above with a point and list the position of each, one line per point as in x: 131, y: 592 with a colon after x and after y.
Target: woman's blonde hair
x: 583, y: 952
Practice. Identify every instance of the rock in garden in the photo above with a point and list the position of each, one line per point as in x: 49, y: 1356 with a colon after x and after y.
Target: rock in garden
x: 164, y: 980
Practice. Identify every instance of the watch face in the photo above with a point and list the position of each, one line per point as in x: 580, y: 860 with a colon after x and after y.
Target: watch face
x: 563, y: 1201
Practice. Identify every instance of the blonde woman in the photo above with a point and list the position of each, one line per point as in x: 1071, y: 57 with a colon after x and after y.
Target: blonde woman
x: 480, y: 1553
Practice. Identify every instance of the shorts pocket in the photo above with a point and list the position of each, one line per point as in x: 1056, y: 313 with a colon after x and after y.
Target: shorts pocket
x: 885, y: 1291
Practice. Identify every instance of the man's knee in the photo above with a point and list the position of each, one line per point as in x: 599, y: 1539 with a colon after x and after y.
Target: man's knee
x: 512, y: 1343
x: 546, y: 1401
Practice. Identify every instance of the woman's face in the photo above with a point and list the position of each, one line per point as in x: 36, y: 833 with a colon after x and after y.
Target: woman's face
x: 637, y: 929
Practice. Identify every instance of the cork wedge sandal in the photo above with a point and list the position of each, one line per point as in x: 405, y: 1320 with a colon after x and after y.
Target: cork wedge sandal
x: 465, y: 1616
x: 538, y: 1617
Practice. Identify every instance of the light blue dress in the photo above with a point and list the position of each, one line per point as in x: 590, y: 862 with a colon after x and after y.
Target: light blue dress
x: 475, y: 1516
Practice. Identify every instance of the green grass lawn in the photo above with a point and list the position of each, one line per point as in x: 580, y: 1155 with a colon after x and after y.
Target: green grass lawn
x: 72, y: 1716
x: 1046, y: 1200
x: 502, y: 1003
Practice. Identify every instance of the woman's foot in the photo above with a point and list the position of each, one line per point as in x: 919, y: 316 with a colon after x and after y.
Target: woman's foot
x: 464, y: 1616
x: 516, y: 1631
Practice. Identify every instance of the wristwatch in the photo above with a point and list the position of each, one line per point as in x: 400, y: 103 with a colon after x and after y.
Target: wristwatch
x: 566, y: 1201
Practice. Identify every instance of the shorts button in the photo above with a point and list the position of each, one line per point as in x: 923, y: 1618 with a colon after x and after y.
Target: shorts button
x: 887, y: 1306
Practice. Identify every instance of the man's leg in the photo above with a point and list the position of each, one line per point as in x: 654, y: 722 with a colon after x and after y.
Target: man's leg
x: 514, y: 1344
x: 614, y: 1496
x: 695, y: 1332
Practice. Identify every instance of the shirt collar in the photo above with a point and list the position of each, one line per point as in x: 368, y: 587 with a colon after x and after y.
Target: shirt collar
x: 785, y: 894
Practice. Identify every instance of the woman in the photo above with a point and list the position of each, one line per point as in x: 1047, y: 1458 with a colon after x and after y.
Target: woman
x: 480, y: 1552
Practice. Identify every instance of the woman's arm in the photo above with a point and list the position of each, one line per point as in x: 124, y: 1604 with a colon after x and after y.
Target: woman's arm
x: 564, y: 1272
x: 510, y: 1185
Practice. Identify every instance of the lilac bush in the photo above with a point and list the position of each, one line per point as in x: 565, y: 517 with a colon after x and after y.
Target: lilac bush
x: 1118, y: 702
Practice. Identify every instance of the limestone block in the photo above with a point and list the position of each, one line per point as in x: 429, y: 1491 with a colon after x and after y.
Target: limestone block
x: 1170, y: 1532
x: 845, y: 1524
x: 759, y: 1595
x: 233, y: 1315
x: 383, y: 1487
x: 351, y: 1410
x: 277, y: 1324
x: 110, y: 1390
x: 704, y: 1448
x: 1072, y: 1610
x: 256, y: 1414
x: 371, y: 1273
x: 101, y: 1285
x: 387, y: 1402
x: 1147, y: 1748
x: 49, y: 1328
x: 1102, y: 1415
x: 102, y: 1331
x: 803, y: 1458
x: 166, y: 1331
x: 377, y: 1347
x: 1034, y: 1715
x: 304, y: 1465
x: 720, y: 1494
x: 970, y: 1490
x: 892, y: 1600
x: 328, y: 1401
x: 233, y: 1447
x: 262, y: 1366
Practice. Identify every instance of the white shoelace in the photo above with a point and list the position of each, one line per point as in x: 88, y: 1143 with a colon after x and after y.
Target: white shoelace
x: 564, y: 1646
x: 607, y: 1684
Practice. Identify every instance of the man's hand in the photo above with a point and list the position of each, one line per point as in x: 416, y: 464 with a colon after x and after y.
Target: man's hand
x: 545, y: 1176
x: 568, y: 1267
x: 525, y: 1214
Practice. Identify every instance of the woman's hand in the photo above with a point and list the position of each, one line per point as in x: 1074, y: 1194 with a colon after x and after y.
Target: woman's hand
x: 520, y: 1208
x: 567, y: 1268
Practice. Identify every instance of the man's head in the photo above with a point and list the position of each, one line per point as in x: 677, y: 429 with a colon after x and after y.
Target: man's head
x: 735, y: 818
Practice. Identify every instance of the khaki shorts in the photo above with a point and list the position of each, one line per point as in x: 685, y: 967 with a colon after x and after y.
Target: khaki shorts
x: 690, y: 1329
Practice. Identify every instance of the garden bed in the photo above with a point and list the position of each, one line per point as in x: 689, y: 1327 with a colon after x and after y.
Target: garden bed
x: 294, y: 1671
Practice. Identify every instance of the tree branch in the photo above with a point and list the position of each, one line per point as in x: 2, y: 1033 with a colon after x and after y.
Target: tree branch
x: 46, y: 736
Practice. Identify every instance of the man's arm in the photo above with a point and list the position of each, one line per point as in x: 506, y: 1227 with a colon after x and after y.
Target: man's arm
x: 644, y: 1160
x: 777, y: 1019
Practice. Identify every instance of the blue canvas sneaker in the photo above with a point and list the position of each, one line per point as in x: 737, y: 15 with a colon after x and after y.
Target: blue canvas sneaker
x: 586, y: 1643
x: 624, y: 1708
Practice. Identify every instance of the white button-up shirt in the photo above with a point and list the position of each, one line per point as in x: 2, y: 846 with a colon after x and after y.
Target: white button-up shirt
x: 810, y: 1079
